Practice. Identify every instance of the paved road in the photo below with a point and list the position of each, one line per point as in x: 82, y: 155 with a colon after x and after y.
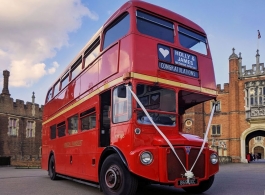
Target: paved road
x: 233, y: 179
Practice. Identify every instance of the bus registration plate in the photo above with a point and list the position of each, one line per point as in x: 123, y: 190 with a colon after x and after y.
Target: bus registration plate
x: 184, y: 182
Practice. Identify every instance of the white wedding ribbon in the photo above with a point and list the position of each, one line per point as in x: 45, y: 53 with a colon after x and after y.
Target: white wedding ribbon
x: 188, y: 173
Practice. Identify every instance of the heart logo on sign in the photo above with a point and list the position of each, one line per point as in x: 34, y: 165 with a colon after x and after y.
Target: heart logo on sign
x: 164, y: 52
x: 154, y: 98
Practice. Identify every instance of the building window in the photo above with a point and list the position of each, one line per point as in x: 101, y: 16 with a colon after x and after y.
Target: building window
x: 217, y: 106
x: 216, y: 129
x: 255, y: 96
x: 13, y: 127
x: 30, y: 129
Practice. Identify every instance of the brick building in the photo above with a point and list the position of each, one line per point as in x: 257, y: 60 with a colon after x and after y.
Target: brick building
x: 238, y: 124
x: 20, y: 129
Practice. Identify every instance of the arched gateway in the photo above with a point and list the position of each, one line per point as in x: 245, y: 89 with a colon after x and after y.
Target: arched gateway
x: 246, y: 136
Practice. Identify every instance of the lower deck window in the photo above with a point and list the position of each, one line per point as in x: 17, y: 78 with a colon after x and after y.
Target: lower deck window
x: 53, y: 132
x: 88, y: 119
x: 61, y: 129
x: 73, y: 125
x: 88, y: 122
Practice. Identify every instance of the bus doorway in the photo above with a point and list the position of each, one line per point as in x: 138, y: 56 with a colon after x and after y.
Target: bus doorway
x: 105, y: 105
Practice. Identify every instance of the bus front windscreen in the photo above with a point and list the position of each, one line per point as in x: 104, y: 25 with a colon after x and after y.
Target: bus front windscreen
x: 160, y: 104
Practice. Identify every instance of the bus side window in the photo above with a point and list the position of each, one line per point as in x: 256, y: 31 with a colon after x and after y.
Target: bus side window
x: 53, y: 132
x: 76, y: 68
x: 61, y: 129
x: 117, y: 30
x: 49, y: 95
x: 73, y: 125
x: 92, y: 52
x: 88, y: 119
x: 65, y: 81
x: 56, y: 88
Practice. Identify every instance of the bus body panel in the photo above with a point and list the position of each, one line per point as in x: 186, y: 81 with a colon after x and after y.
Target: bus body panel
x: 133, y: 60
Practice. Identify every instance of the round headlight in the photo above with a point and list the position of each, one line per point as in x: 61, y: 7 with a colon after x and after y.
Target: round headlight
x: 214, y: 158
x: 146, y: 158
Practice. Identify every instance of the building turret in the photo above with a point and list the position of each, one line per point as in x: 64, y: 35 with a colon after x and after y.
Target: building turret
x: 240, y: 65
x: 33, y: 98
x: 233, y: 66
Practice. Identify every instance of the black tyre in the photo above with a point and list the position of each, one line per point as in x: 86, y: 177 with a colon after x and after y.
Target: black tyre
x: 202, y: 187
x: 142, y: 183
x: 115, y: 178
x: 51, y: 170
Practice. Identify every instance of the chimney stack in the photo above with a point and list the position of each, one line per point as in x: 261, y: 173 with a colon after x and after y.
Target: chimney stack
x: 5, y: 90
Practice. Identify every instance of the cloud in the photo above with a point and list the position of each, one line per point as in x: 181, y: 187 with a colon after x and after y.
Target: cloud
x: 33, y: 31
x: 24, y: 75
x: 53, y: 68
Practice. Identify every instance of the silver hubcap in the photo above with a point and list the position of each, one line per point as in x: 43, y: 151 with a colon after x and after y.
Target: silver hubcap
x: 113, y: 178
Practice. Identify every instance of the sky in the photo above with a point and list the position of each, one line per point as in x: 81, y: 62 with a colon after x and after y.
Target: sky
x: 38, y: 39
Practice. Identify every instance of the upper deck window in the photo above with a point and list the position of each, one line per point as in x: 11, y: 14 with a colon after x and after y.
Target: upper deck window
x: 56, y: 89
x: 155, y: 27
x: 117, y: 30
x: 92, y: 52
x: 76, y: 68
x: 192, y: 40
x: 65, y: 81
x: 49, y: 95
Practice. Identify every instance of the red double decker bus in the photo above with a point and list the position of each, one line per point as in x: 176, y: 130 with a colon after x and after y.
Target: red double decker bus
x: 113, y: 119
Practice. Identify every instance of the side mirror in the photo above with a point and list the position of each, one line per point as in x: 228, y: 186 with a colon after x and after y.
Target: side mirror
x: 122, y: 91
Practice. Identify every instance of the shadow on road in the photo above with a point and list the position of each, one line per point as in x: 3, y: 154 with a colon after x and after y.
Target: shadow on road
x: 258, y: 161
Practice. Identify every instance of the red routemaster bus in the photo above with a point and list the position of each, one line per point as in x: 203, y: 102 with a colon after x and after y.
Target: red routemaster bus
x: 113, y: 119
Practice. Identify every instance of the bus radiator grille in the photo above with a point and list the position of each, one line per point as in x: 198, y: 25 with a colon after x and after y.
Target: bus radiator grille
x: 175, y: 169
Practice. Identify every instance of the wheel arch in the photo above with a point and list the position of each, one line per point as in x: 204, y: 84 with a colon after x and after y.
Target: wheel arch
x: 50, y: 155
x: 108, y: 151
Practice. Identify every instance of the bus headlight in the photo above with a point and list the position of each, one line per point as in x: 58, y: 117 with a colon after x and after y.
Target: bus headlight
x: 146, y: 158
x: 214, y: 158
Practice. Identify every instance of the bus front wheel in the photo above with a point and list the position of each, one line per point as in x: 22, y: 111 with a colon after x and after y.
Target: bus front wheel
x: 115, y: 178
x: 202, y: 187
x: 51, y: 171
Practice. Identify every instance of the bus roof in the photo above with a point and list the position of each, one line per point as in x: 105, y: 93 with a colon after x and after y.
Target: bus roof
x: 141, y: 4
x: 157, y: 10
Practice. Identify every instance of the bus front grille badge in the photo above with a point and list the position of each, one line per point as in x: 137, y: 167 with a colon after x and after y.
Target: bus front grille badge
x: 187, y: 148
